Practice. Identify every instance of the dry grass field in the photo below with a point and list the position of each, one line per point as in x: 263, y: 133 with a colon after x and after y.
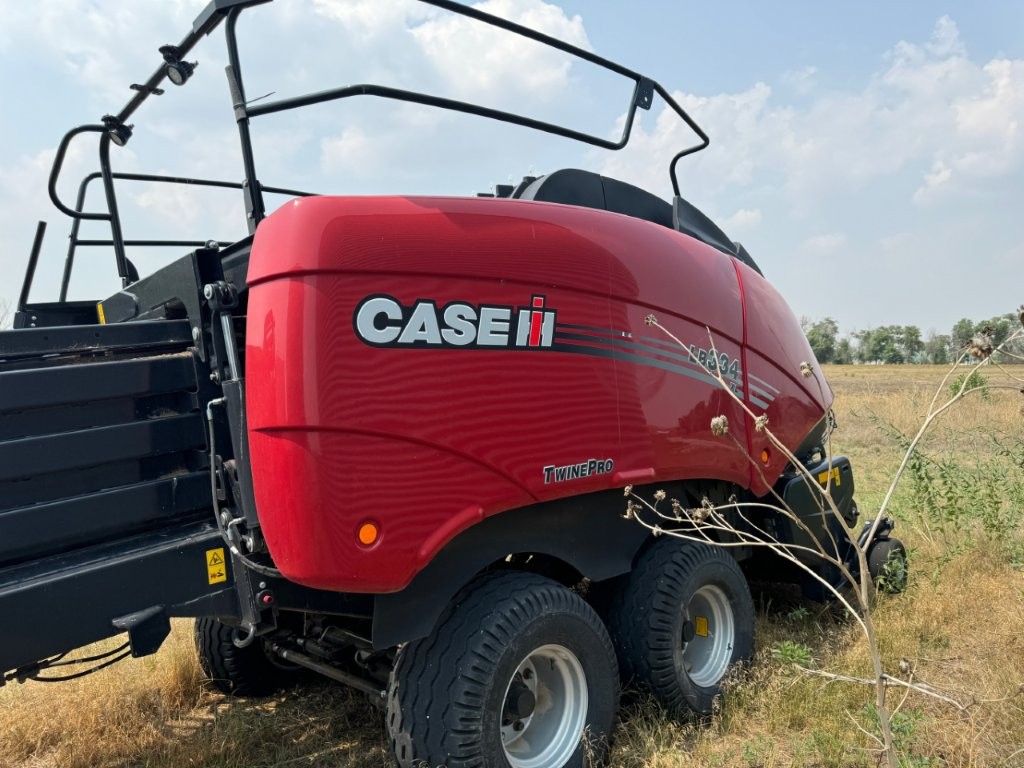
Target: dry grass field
x: 960, y: 626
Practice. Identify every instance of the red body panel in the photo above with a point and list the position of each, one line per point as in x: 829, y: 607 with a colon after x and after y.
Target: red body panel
x: 366, y: 404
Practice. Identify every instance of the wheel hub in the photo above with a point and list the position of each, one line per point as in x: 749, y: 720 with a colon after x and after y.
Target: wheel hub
x: 708, y: 635
x: 520, y: 701
x: 545, y: 709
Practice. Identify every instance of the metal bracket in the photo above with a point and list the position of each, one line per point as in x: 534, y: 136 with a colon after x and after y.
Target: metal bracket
x: 148, y: 90
x: 220, y: 296
x: 147, y: 629
x: 644, y: 93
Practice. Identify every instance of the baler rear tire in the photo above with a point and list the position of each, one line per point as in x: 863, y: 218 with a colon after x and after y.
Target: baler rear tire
x: 232, y: 670
x: 650, y: 621
x: 456, y: 698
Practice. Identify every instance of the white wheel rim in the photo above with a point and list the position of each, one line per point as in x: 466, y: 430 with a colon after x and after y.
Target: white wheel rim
x: 706, y: 657
x: 548, y: 736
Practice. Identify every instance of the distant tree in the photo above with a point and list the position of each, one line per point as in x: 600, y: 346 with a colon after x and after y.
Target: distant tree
x: 844, y: 352
x: 1016, y: 347
x: 997, y: 328
x: 822, y: 338
x: 963, y: 329
x: 888, y: 346
x: 894, y: 344
x: 882, y: 345
x: 938, y: 349
x: 910, y: 343
x: 863, y: 338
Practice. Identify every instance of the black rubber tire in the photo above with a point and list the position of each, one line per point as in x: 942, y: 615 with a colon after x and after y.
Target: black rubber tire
x: 447, y: 691
x: 232, y: 670
x: 884, y: 551
x: 648, y: 619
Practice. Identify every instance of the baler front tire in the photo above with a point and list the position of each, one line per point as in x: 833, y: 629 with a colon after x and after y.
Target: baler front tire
x: 887, y: 564
x: 232, y: 670
x: 680, y: 620
x: 519, y: 672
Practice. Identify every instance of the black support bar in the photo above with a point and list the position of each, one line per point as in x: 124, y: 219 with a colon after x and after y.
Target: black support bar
x: 33, y: 456
x: 85, y: 593
x: 48, y: 387
x: 91, y: 518
x: 79, y: 340
x: 33, y: 261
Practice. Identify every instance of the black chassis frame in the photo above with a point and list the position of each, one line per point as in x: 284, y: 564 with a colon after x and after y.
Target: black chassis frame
x: 207, y: 288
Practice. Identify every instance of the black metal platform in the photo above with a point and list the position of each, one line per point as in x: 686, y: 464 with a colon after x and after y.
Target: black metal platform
x: 104, y: 485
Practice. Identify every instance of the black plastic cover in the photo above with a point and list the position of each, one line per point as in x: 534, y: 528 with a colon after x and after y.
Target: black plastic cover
x: 571, y: 186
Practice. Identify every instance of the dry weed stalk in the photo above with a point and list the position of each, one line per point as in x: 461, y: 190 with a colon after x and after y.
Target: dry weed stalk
x: 716, y: 524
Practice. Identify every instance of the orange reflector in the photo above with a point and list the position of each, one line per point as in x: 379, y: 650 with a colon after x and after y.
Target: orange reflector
x: 368, y: 533
x: 765, y: 456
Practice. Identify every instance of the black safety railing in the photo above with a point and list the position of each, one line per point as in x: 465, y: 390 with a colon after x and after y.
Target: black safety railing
x: 115, y: 128
x: 75, y: 241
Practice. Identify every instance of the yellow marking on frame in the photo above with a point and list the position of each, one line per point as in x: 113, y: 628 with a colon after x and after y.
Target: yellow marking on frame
x: 216, y: 568
x: 99, y: 313
x: 823, y: 477
x: 701, y: 626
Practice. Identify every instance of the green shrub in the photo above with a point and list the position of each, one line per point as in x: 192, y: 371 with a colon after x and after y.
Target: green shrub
x: 789, y: 652
x: 969, y: 381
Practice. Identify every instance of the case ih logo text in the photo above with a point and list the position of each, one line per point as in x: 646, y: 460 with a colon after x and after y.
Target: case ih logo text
x: 553, y: 474
x: 383, y: 321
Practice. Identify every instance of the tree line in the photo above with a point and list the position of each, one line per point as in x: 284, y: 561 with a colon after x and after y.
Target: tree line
x: 903, y: 344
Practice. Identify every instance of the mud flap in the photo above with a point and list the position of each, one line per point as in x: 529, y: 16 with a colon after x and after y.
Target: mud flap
x: 811, y: 507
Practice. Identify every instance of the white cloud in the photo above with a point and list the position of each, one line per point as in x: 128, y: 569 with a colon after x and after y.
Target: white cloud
x: 481, y: 60
x: 827, y: 243
x: 946, y: 39
x: 347, y: 152
x: 370, y: 17
x: 422, y: 48
x: 932, y: 108
x: 898, y: 241
x: 988, y: 124
x: 94, y: 50
x: 802, y: 80
x: 172, y: 203
x: 935, y: 181
x: 742, y: 126
x: 22, y: 189
x: 744, y: 220
x: 474, y: 60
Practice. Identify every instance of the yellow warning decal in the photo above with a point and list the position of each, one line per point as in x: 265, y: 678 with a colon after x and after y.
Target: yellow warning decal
x: 701, y: 626
x: 99, y: 313
x: 216, y: 568
x: 823, y: 477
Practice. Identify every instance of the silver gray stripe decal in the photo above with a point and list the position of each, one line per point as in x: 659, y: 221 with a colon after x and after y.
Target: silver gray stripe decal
x: 762, y: 382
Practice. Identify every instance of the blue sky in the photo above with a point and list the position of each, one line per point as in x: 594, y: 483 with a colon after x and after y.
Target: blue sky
x: 870, y: 155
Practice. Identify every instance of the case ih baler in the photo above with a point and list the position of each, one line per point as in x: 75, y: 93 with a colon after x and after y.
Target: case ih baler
x: 385, y: 439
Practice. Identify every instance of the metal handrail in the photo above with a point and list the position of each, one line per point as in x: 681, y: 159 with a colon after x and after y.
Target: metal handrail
x: 114, y: 128
x: 74, y: 241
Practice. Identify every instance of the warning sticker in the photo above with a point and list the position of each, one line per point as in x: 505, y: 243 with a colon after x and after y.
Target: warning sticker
x: 700, y: 625
x: 823, y: 477
x: 216, y: 568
